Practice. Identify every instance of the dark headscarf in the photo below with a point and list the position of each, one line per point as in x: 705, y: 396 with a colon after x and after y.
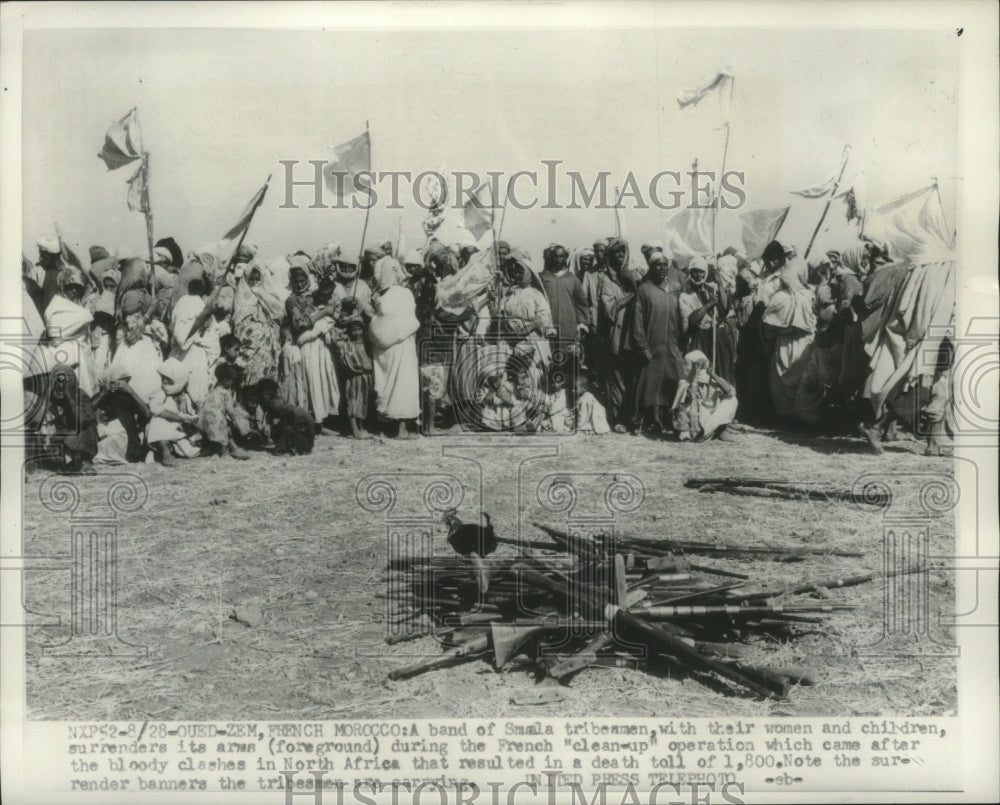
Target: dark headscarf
x: 98, y: 253
x: 773, y: 251
x: 176, y: 255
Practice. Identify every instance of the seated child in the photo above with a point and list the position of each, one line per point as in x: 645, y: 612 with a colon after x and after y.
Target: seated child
x: 112, y: 438
x: 291, y: 427
x: 172, y: 432
x: 590, y: 414
x: 705, y: 403
x: 557, y: 417
x: 221, y: 417
x: 356, y: 368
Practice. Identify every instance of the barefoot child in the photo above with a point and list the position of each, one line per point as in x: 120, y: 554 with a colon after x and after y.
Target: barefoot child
x: 356, y: 366
x: 221, y: 417
x: 291, y: 427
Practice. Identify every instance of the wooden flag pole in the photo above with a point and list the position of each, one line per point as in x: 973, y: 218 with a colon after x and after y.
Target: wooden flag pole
x: 364, y: 229
x: 147, y: 211
x: 618, y: 220
x: 246, y: 229
x: 836, y: 184
x: 725, y: 151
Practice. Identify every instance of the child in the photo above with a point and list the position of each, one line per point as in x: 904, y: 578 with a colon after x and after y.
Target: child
x: 112, y: 444
x: 172, y: 432
x: 291, y: 427
x: 356, y: 367
x: 557, y: 416
x: 221, y: 417
x: 705, y: 403
x: 590, y: 414
x: 229, y: 353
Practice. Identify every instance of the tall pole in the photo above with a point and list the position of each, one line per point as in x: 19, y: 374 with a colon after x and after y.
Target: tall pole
x: 725, y: 151
x: 618, y: 220
x: 247, y: 228
x: 148, y: 213
x: 833, y: 192
x: 364, y: 229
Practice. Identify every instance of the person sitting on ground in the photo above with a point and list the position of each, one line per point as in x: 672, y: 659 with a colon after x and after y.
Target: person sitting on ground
x: 291, y: 427
x: 173, y: 431
x: 705, y: 403
x: 558, y: 417
x: 112, y: 440
x: 221, y: 418
x: 590, y: 414
x: 73, y: 421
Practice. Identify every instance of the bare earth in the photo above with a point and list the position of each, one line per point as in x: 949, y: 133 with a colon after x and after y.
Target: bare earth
x: 287, y: 535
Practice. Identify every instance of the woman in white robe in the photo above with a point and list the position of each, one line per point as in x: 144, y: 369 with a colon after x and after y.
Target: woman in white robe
x: 67, y: 329
x: 185, y: 341
x: 392, y: 332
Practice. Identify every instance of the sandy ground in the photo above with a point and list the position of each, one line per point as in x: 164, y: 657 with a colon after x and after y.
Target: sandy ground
x: 288, y: 536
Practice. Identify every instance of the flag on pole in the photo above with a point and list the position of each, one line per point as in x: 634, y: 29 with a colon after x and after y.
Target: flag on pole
x: 820, y: 190
x: 913, y: 226
x: 123, y: 142
x: 817, y: 191
x: 228, y: 243
x: 852, y: 205
x: 689, y: 233
x: 759, y: 228
x: 138, y: 190
x: 479, y: 211
x: 350, y: 158
x: 692, y: 96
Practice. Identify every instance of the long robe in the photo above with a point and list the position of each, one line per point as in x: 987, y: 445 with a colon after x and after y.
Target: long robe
x: 67, y: 326
x: 790, y: 313
x: 316, y: 375
x: 568, y: 303
x: 186, y: 346
x: 655, y: 336
x: 393, y: 335
x: 256, y: 323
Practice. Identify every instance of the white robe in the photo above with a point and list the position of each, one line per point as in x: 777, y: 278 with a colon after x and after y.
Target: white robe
x: 393, y: 336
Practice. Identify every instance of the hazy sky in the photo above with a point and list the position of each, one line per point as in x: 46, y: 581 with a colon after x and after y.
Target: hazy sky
x: 219, y: 108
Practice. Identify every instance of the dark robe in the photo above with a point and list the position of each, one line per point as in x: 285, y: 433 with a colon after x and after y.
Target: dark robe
x: 568, y: 303
x: 655, y: 338
x: 72, y: 414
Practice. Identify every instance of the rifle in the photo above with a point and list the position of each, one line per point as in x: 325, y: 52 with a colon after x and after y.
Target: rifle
x: 635, y: 629
x: 713, y: 610
x: 466, y: 651
x: 667, y: 547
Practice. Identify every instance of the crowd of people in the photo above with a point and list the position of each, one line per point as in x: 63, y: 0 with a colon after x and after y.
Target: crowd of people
x: 184, y: 356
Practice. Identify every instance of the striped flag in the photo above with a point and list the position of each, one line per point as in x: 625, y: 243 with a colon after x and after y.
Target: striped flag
x: 123, y: 142
x: 350, y: 158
